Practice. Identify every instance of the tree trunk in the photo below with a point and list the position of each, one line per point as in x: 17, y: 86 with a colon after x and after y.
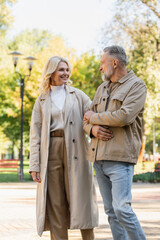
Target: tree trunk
x: 141, y: 154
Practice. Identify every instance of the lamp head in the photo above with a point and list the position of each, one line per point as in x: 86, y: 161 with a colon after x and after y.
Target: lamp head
x: 15, y: 57
x: 30, y: 61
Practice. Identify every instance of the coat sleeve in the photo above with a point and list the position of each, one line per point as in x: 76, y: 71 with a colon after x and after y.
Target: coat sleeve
x: 131, y: 106
x: 35, y: 137
x: 86, y: 102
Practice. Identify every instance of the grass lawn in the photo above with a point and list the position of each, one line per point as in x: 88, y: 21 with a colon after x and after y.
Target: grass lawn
x: 143, y: 172
x: 13, y: 176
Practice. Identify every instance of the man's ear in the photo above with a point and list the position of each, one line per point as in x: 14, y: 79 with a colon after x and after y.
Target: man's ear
x: 115, y: 63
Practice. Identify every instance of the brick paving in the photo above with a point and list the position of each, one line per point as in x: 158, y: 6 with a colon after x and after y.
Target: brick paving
x: 17, y: 212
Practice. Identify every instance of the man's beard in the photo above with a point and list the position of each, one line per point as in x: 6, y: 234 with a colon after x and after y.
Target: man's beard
x: 108, y: 74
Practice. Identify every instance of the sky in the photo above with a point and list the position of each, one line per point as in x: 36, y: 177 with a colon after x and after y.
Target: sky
x: 79, y: 22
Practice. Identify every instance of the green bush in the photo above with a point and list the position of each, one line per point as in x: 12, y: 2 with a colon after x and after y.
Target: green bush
x: 152, y: 177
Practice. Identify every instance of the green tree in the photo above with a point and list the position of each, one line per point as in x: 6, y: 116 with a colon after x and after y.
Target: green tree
x: 5, y: 15
x: 86, y: 75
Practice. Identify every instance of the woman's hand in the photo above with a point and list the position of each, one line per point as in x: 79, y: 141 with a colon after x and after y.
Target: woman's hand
x: 36, y: 176
x: 87, y: 116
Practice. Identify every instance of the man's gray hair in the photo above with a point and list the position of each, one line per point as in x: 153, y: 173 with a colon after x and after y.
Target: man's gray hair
x: 117, y: 52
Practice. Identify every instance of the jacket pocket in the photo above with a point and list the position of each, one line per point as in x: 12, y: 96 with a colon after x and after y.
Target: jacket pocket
x: 119, y: 97
x: 96, y: 101
x: 115, y: 102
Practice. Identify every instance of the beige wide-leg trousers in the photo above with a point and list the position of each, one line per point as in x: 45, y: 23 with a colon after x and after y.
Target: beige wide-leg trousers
x: 58, y: 192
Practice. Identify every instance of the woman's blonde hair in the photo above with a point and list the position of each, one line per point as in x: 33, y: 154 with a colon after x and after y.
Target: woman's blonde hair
x: 49, y: 68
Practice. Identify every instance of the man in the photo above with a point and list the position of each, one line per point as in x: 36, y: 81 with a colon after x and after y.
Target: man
x: 118, y: 105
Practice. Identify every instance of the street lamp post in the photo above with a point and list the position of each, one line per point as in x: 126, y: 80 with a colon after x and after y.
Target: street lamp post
x: 30, y: 60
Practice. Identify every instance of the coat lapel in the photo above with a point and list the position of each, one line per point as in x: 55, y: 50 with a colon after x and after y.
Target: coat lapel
x: 70, y: 99
x: 45, y: 100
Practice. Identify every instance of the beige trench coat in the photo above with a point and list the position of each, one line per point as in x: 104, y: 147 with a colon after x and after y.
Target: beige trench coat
x: 123, y: 115
x: 83, y: 204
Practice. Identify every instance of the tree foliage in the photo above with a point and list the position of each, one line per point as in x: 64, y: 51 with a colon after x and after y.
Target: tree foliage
x: 5, y: 15
x: 86, y: 75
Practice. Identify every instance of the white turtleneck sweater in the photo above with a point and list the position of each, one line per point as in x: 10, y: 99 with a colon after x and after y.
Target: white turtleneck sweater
x: 58, y: 96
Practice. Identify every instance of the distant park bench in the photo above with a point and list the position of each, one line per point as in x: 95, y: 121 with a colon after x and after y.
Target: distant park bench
x: 9, y: 165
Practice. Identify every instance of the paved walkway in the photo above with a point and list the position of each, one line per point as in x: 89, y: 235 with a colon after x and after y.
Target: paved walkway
x: 17, y: 212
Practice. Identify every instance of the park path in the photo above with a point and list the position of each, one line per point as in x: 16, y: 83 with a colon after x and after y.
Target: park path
x: 17, y: 212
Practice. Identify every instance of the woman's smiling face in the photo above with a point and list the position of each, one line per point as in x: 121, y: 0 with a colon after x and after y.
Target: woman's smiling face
x: 61, y: 75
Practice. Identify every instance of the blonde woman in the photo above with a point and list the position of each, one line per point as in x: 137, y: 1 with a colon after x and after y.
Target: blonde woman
x: 65, y: 190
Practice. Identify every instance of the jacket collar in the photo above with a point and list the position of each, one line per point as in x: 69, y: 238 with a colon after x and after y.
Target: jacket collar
x: 70, y: 89
x: 106, y: 83
x: 128, y: 76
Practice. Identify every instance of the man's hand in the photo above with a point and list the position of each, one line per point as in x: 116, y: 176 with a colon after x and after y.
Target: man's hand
x: 87, y: 116
x: 36, y: 177
x: 102, y: 133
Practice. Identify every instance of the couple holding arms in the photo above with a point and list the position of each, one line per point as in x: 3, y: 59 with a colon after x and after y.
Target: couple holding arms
x: 59, y: 150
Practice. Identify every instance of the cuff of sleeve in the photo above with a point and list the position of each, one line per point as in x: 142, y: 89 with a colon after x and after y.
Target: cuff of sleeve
x: 34, y: 169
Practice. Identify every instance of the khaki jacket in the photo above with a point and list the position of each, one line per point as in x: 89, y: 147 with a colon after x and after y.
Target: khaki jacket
x: 83, y: 204
x: 121, y: 110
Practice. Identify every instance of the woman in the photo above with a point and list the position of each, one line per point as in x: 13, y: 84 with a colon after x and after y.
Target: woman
x: 65, y: 191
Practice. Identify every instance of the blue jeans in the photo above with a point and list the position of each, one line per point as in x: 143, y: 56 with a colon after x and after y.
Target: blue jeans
x: 115, y: 181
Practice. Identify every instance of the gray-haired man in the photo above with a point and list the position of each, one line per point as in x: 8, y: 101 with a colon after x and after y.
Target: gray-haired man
x: 119, y: 105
